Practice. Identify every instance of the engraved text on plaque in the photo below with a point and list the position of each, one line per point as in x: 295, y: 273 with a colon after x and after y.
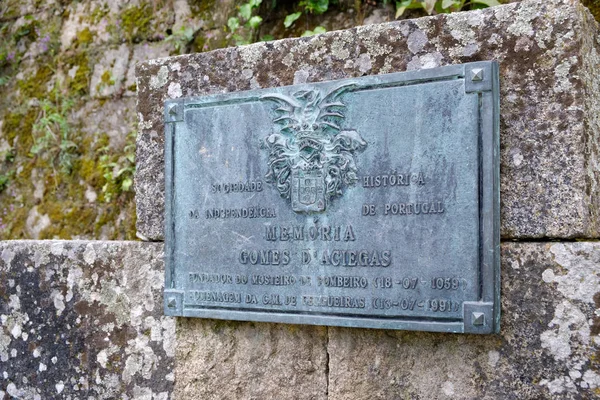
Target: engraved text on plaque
x: 366, y: 202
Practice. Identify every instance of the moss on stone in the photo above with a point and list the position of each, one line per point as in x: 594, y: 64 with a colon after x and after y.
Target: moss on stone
x: 27, y: 30
x: 207, y: 41
x: 68, y: 219
x: 11, y: 9
x: 64, y: 199
x: 98, y: 13
x: 79, y: 83
x: 72, y: 214
x: 106, y: 78
x: 105, y: 81
x: 135, y: 22
x: 11, y: 124
x: 202, y: 8
x: 90, y: 171
x: 594, y: 6
x: 84, y: 37
x: 36, y: 86
x: 18, y: 125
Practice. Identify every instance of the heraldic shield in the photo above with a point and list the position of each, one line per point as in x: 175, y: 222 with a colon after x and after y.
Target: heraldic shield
x: 312, y: 159
x: 308, y: 190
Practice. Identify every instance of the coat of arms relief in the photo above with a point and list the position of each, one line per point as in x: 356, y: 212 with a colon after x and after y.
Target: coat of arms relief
x: 312, y: 158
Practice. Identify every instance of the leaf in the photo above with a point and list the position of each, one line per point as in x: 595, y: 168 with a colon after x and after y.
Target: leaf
x: 67, y: 144
x: 402, y: 6
x: 290, y: 19
x: 126, y: 184
x: 233, y: 23
x: 447, y: 3
x: 254, y: 3
x: 429, y: 5
x: 320, y: 6
x: 120, y: 172
x: 315, y: 6
x: 240, y: 40
x: 35, y: 149
x: 489, y: 3
x: 399, y: 11
x: 254, y: 22
x: 245, y: 11
x: 318, y: 30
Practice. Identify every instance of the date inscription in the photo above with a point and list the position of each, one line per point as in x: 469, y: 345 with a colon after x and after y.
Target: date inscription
x: 404, y: 294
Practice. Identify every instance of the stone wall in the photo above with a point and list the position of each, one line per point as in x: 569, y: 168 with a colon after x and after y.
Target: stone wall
x: 549, y: 100
x: 69, y: 66
x: 84, y: 319
x: 548, y: 346
x: 549, y: 340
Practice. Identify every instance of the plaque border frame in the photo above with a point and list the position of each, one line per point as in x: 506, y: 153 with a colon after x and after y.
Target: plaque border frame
x: 479, y: 317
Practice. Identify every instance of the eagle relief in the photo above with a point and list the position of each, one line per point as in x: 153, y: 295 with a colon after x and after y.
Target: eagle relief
x: 312, y: 158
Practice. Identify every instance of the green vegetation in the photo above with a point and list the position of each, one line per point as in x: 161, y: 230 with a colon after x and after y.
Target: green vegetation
x: 78, y: 85
x: 136, y: 21
x: 308, y: 7
x: 55, y: 158
x: 44, y: 146
x: 7, y: 172
x: 106, y: 80
x: 118, y: 171
x: 245, y: 19
x: 84, y: 37
x: 4, y: 179
x: 181, y: 39
x: 441, y: 6
x: 52, y: 135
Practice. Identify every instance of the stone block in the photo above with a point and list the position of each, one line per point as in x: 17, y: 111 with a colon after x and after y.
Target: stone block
x: 109, y: 73
x: 12, y: 9
x: 111, y: 21
x: 550, y: 94
x: 81, y: 319
x: 245, y: 360
x: 116, y: 118
x: 547, y: 347
x: 87, y: 317
x: 144, y: 52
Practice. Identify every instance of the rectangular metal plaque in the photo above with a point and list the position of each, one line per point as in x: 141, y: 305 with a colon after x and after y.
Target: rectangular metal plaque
x: 366, y: 202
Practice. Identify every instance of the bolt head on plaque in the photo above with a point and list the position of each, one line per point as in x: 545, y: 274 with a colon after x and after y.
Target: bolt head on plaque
x: 478, y: 319
x: 174, y: 112
x: 172, y: 302
x: 477, y: 74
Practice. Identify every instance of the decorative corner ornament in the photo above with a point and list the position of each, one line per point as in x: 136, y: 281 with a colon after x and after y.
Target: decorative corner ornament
x: 312, y: 158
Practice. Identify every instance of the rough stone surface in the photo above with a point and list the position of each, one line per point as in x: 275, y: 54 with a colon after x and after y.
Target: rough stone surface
x: 243, y: 360
x: 548, y: 347
x: 109, y: 72
x: 548, y: 54
x: 74, y: 60
x: 84, y: 320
